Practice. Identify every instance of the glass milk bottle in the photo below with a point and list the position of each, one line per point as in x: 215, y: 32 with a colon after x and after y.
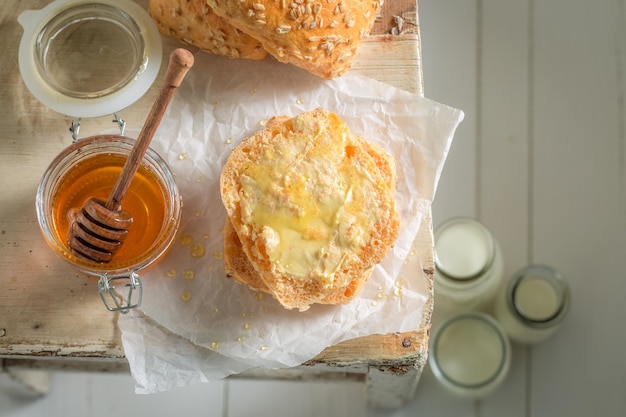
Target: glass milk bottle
x: 470, y: 355
x: 468, y: 266
x: 533, y: 304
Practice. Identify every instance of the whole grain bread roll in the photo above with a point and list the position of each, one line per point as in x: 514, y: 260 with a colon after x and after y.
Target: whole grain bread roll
x: 320, y: 36
x: 313, y: 208
x: 194, y: 23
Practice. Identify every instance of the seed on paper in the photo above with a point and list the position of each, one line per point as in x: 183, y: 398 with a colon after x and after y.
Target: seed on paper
x: 185, y: 296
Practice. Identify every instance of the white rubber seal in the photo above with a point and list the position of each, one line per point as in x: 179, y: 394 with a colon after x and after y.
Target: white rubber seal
x: 34, y: 21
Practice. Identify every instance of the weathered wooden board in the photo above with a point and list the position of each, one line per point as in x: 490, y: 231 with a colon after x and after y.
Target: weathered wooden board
x: 48, y: 311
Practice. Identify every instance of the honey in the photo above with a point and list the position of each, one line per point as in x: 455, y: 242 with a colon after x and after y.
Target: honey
x: 90, y: 168
x: 95, y: 177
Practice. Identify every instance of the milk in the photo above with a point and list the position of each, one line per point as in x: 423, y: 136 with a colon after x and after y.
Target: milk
x: 463, y: 250
x: 469, y: 267
x: 470, y: 355
x: 537, y: 299
x: 533, y: 304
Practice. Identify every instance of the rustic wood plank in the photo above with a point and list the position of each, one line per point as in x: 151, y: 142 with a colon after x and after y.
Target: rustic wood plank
x: 287, y: 398
x: 451, y: 28
x: 24, y: 383
x: 49, y: 311
x: 449, y: 51
x: 503, y: 167
x: 394, y: 60
x: 390, y: 387
x: 33, y: 273
x: 396, y: 17
x: 579, y: 203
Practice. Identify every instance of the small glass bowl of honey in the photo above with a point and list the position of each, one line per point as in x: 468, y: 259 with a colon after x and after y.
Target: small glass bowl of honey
x: 89, y: 168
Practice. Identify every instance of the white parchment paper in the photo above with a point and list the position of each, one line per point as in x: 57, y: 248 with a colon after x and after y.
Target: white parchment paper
x: 197, y: 325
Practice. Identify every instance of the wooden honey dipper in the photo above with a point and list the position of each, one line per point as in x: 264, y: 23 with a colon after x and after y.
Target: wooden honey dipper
x: 98, y: 228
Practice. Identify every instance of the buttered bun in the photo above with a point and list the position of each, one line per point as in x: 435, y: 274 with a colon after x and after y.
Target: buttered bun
x: 311, y: 210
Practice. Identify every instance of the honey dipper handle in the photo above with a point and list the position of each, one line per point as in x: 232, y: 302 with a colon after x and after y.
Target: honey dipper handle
x: 180, y: 62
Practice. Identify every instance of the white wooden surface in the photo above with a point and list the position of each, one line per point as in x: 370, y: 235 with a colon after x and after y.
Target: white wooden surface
x: 541, y: 159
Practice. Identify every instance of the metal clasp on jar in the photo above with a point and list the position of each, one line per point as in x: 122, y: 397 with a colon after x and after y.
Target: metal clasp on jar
x: 113, y: 296
x: 75, y: 126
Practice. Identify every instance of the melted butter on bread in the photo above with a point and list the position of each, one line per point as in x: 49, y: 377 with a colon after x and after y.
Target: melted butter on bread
x: 303, y: 203
x: 311, y: 207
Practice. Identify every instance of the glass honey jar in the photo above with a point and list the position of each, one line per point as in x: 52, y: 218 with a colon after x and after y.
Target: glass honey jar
x: 89, y: 59
x: 89, y: 168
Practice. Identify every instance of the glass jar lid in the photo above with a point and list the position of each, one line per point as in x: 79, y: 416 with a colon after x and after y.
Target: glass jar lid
x: 89, y: 58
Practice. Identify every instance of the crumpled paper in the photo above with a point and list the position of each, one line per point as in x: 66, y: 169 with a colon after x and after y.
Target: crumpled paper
x: 195, y: 325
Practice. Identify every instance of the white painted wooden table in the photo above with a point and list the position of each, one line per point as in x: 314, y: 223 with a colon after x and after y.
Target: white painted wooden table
x: 541, y: 159
x: 52, y: 318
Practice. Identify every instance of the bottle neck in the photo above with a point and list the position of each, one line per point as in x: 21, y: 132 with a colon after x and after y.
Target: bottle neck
x: 465, y: 250
x: 538, y: 297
